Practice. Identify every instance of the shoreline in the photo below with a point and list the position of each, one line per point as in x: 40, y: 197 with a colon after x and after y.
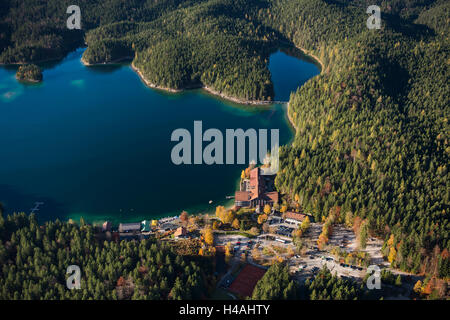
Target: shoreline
x: 87, y: 64
x: 152, y: 85
x: 29, y: 81
x: 222, y: 95
x: 201, y: 86
x: 172, y: 90
x: 309, y: 53
x: 291, y: 121
x: 322, y: 68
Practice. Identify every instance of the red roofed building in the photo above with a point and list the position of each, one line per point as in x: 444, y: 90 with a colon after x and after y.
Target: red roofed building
x: 246, y: 280
x: 255, y: 194
x: 180, y: 232
x: 294, y: 217
x: 242, y: 198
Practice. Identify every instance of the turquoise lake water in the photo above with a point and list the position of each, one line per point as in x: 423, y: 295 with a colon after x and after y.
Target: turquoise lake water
x: 95, y: 141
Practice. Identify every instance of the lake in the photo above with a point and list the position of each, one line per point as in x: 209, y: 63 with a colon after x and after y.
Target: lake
x: 95, y: 141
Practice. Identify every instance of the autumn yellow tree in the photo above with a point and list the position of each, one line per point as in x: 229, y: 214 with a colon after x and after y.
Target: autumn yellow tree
x: 392, y: 255
x: 391, y: 241
x: 208, y: 236
x: 349, y: 219
x: 297, y: 233
x: 262, y: 218
x: 305, y: 224
x: 220, y: 212
x: 418, y: 287
x: 322, y: 241
x: 283, y: 209
x: 267, y: 209
x: 235, y: 224
x: 228, y: 217
x: 228, y: 252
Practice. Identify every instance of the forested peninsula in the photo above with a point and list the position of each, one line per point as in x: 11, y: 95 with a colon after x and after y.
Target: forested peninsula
x: 372, y: 128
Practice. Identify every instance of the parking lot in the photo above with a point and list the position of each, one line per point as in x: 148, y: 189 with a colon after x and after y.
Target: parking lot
x: 304, y: 267
x: 284, y: 230
x: 239, y: 243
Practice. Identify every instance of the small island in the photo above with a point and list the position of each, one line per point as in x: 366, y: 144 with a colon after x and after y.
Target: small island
x: 29, y: 73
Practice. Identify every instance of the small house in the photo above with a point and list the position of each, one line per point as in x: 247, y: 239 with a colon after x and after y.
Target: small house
x: 181, y: 232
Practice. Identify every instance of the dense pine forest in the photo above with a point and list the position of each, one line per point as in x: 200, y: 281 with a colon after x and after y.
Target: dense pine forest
x: 372, y: 129
x: 34, y: 260
x: 372, y: 138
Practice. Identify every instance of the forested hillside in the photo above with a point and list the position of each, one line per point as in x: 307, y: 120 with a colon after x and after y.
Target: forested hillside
x: 214, y: 44
x: 372, y: 139
x: 175, y: 44
x: 34, y: 260
x: 35, y: 30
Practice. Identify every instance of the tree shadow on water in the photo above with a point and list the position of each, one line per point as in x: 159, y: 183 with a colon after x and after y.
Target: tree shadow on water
x: 14, y: 200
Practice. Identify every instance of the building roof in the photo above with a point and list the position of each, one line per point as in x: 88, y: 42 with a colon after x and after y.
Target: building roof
x: 256, y: 189
x: 256, y: 183
x: 242, y: 196
x: 168, y: 226
x: 136, y: 226
x: 294, y: 215
x: 246, y: 280
x: 181, y: 231
x: 273, y: 196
